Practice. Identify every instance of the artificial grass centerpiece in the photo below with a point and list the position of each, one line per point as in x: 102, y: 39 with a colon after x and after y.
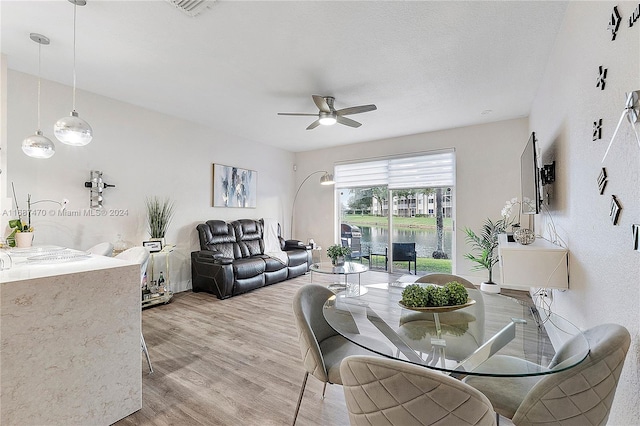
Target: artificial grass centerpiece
x: 451, y: 294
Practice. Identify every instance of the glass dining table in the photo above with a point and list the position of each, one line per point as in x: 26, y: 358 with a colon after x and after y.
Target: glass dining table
x: 458, y: 341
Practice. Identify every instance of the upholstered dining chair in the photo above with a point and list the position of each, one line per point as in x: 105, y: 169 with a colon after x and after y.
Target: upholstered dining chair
x: 391, y: 392
x: 139, y: 255
x: 102, y: 249
x: 322, y: 348
x: 442, y: 279
x: 581, y: 395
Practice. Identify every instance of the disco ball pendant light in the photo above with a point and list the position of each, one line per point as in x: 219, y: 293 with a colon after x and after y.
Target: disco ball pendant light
x: 38, y: 145
x: 73, y: 130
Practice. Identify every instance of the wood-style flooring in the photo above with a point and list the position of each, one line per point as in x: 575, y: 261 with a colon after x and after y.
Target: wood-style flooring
x: 232, y: 362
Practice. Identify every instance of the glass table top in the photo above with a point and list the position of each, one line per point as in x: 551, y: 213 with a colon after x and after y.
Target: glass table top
x: 345, y: 269
x: 495, y: 336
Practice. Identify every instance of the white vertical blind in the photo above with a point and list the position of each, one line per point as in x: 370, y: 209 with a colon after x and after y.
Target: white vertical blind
x: 422, y: 171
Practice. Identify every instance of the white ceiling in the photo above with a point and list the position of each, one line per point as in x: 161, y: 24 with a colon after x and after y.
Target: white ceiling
x: 426, y: 65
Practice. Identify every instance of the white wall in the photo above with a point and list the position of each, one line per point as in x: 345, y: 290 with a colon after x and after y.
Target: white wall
x: 604, y: 270
x: 143, y: 153
x: 487, y: 175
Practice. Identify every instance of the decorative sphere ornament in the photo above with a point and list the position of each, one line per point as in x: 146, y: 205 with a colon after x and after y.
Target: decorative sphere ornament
x: 524, y: 236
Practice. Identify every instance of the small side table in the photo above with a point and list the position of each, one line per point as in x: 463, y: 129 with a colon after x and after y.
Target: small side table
x: 165, y: 296
x: 316, y: 254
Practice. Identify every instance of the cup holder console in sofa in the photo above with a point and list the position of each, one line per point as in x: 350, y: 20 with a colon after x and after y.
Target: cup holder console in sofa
x: 232, y: 258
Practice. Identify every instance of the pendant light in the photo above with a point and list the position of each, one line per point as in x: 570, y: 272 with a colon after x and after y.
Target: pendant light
x: 38, y: 145
x: 73, y: 130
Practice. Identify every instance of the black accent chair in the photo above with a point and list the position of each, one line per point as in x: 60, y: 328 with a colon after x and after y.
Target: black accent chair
x: 405, y: 252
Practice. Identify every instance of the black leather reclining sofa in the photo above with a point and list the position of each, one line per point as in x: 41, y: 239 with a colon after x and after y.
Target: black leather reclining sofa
x: 232, y: 261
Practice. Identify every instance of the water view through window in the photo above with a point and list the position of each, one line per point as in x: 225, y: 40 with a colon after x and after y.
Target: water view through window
x: 364, y: 226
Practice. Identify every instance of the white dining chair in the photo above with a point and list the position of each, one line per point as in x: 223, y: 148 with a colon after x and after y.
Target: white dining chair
x: 102, y: 249
x: 380, y: 391
x: 579, y: 395
x: 322, y: 347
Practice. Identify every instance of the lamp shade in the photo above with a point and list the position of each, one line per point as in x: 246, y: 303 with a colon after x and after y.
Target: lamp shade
x: 73, y: 130
x: 327, y: 179
x: 38, y: 146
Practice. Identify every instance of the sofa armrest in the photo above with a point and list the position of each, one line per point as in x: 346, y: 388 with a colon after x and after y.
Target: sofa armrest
x: 295, y: 245
x: 210, y: 272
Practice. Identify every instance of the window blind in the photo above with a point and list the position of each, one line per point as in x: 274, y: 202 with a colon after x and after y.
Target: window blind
x: 422, y: 171
x: 368, y: 174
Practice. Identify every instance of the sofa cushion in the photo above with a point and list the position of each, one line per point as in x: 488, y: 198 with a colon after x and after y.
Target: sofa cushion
x: 272, y: 264
x: 297, y: 257
x: 249, y: 237
x: 217, y: 235
x: 248, y: 267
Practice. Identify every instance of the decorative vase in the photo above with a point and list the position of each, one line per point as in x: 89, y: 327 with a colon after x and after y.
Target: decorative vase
x: 338, y: 261
x: 490, y: 287
x: 524, y: 236
x: 23, y: 239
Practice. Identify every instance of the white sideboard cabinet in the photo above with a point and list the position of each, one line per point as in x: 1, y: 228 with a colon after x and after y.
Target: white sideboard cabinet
x: 541, y: 264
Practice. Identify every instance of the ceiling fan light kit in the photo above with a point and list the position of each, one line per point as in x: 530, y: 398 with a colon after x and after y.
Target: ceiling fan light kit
x: 327, y: 118
x: 328, y: 115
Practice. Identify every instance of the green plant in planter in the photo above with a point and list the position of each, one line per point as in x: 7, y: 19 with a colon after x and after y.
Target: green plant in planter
x: 485, y: 245
x: 335, y: 251
x: 159, y: 215
x: 451, y: 294
x: 17, y: 225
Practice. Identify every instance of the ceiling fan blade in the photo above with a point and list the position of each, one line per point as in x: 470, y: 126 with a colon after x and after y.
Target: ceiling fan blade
x: 321, y: 103
x: 298, y: 113
x: 314, y: 125
x: 356, y: 109
x: 348, y: 122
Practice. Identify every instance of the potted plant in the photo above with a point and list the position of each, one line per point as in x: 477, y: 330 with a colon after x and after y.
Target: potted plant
x: 159, y: 215
x: 484, y: 246
x: 337, y: 254
x: 22, y: 233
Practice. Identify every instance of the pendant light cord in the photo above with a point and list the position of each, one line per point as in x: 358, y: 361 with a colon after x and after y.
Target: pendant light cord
x: 39, y: 48
x: 75, y: 7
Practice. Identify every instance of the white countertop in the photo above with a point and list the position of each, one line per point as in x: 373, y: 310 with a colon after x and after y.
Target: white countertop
x: 23, y: 269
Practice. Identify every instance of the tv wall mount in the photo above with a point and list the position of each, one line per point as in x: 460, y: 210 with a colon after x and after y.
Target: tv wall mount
x: 548, y: 173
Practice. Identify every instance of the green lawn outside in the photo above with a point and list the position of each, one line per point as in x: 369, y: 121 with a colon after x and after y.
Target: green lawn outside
x: 423, y: 264
x: 400, y: 222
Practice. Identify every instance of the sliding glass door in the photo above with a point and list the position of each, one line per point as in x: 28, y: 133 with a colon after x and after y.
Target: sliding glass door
x: 408, y: 211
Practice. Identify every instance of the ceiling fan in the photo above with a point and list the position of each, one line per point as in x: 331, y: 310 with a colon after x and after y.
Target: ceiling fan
x: 328, y: 115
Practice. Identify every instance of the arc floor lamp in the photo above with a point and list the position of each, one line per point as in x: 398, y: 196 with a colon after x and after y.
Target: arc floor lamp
x: 325, y: 179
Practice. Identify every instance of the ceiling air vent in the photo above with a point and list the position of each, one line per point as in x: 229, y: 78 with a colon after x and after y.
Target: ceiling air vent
x: 191, y: 7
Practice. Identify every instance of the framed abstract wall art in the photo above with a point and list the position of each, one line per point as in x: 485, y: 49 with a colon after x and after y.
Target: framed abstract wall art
x: 234, y: 187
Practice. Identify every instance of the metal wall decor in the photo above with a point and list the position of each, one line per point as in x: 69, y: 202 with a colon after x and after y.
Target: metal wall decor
x: 634, y: 16
x: 602, y: 77
x: 614, y: 211
x: 635, y: 229
x: 631, y: 111
x: 597, y: 129
x: 96, y: 185
x: 614, y: 23
x: 602, y: 180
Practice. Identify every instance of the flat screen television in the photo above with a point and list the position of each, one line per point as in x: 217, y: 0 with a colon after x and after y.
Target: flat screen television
x: 530, y: 178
